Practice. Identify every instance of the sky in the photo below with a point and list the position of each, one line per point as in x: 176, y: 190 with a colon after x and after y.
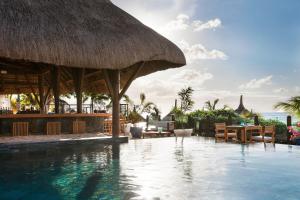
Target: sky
x: 232, y: 47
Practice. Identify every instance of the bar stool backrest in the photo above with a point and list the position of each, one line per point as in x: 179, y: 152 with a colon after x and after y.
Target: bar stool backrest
x: 20, y: 128
x: 220, y: 127
x: 79, y: 127
x: 269, y: 130
x: 53, y: 128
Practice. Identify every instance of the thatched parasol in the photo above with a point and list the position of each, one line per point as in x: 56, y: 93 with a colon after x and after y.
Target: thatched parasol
x: 84, y: 45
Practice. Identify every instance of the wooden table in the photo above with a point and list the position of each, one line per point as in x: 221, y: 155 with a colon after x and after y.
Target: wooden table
x: 240, y: 128
x: 156, y: 134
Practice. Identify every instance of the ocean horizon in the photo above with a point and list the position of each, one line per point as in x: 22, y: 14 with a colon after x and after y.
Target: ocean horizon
x: 280, y: 116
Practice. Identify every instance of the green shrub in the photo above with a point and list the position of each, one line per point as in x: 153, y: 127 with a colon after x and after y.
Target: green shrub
x: 280, y: 127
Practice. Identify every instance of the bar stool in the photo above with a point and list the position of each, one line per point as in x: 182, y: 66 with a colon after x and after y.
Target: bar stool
x: 20, y: 128
x: 107, y: 127
x: 53, y: 128
x: 79, y: 127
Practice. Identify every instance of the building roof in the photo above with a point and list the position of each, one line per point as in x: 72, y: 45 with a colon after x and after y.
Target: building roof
x: 95, y: 34
x: 241, y: 109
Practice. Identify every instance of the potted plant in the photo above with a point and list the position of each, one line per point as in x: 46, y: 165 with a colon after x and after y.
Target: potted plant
x: 134, y: 118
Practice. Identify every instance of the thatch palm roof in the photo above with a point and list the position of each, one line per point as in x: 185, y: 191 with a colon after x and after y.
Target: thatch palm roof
x: 241, y: 109
x: 91, y: 34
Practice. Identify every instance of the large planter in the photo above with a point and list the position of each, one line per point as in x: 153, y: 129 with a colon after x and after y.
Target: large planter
x: 136, y: 132
x: 127, y: 129
x: 183, y: 132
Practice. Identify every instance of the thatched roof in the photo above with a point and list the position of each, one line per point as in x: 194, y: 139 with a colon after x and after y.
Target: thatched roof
x: 241, y: 109
x: 76, y: 33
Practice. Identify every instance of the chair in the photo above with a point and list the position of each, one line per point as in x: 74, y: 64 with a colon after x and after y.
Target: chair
x: 231, y: 134
x: 223, y: 132
x: 20, y: 128
x: 256, y: 133
x: 53, y: 128
x: 107, y: 127
x: 79, y: 127
x: 268, y: 130
x: 220, y: 129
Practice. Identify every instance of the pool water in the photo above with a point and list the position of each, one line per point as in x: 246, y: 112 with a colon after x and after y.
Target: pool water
x: 198, y: 168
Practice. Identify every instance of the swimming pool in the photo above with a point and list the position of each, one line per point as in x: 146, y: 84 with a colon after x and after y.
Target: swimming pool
x: 153, y: 169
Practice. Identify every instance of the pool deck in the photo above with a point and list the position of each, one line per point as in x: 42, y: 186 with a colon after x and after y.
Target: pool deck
x: 11, y: 143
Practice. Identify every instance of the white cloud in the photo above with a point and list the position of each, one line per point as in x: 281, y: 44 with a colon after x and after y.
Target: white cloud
x: 211, y: 24
x: 199, y: 52
x: 257, y: 83
x: 163, y: 89
x: 192, y: 77
x: 280, y: 90
x: 182, y: 22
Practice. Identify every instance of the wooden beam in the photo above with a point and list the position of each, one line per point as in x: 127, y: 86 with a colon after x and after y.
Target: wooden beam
x: 56, y: 73
x: 32, y: 90
x: 98, y: 72
x: 41, y: 93
x: 107, y: 78
x: 131, y: 78
x: 78, y: 76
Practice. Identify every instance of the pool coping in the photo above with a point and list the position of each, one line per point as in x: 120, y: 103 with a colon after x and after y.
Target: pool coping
x: 40, y: 145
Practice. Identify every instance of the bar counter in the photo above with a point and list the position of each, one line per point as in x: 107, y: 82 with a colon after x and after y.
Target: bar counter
x: 38, y: 122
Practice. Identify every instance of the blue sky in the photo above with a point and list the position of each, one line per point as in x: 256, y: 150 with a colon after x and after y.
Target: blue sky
x: 233, y: 47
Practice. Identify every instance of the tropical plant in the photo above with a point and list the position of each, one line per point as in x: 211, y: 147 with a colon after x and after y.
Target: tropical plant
x: 144, y: 107
x: 185, y: 96
x: 211, y: 105
x: 291, y: 106
x: 181, y: 118
x: 29, y: 100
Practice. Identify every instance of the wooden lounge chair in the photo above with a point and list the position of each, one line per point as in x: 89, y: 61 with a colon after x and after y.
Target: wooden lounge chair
x: 222, y: 132
x: 267, y: 135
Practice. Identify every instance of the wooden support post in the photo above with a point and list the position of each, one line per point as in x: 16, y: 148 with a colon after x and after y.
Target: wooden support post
x: 147, y: 122
x: 115, y: 81
x: 78, y: 77
x: 41, y: 93
x: 112, y: 79
x: 131, y: 78
x: 56, y: 73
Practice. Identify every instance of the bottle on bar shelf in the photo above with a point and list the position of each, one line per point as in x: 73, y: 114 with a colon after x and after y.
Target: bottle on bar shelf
x: 5, y: 111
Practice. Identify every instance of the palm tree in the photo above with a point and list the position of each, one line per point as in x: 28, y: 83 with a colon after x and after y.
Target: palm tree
x: 147, y: 107
x: 185, y: 96
x: 291, y: 106
x: 212, y: 105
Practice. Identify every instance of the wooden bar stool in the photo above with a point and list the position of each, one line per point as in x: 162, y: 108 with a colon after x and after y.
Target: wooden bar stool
x: 107, y: 127
x: 20, y: 128
x: 53, y: 128
x: 79, y: 127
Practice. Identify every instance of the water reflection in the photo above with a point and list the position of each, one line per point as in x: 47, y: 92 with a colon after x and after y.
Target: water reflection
x: 62, y: 172
x: 147, y: 169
